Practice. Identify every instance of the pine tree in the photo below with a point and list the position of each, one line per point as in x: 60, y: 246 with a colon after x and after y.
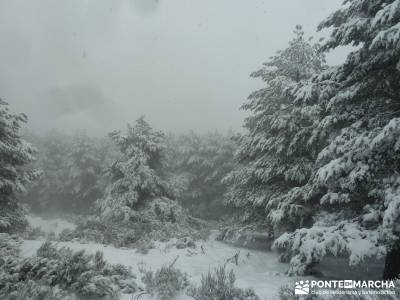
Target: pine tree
x: 355, y: 188
x: 202, y: 161
x: 273, y: 156
x: 15, y: 155
x: 73, y: 172
x: 137, y: 175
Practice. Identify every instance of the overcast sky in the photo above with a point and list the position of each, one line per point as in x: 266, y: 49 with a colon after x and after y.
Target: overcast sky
x: 184, y: 64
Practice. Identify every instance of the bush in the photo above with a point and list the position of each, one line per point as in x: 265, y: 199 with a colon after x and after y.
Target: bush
x: 9, y: 246
x: 144, y: 245
x: 66, y: 235
x: 220, y: 285
x: 185, y: 242
x: 12, y: 217
x: 166, y: 282
x: 72, y: 272
x: 32, y: 290
x: 159, y: 220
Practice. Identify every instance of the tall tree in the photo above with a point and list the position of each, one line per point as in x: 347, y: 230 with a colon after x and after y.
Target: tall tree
x: 137, y: 175
x: 273, y: 156
x: 15, y: 156
x: 356, y: 187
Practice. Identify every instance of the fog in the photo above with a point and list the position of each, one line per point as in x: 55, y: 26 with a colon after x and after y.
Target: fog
x: 184, y: 64
x: 301, y: 186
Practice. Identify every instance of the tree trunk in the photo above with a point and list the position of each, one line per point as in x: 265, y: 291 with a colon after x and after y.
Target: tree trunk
x: 392, y: 263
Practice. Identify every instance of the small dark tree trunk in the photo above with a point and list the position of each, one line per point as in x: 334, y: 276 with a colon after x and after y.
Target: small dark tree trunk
x: 392, y: 263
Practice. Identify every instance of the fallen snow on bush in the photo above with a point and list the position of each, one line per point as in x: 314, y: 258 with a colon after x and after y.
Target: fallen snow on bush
x: 255, y: 269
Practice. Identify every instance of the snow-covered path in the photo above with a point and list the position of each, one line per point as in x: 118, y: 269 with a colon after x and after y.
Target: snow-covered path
x: 256, y: 269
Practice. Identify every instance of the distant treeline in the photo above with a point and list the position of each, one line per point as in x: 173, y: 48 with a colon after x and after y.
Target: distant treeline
x: 76, y: 170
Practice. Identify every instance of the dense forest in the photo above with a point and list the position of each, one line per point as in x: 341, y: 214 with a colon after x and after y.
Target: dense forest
x: 314, y: 177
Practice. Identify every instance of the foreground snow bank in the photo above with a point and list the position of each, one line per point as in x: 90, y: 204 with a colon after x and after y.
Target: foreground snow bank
x: 258, y: 270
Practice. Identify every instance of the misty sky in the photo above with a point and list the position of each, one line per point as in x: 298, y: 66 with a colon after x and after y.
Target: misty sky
x: 184, y: 64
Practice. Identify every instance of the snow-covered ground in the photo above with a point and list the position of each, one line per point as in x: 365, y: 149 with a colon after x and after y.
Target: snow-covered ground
x: 50, y: 225
x: 256, y: 269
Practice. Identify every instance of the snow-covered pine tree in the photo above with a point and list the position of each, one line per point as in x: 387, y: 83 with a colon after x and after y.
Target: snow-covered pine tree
x: 356, y: 188
x: 273, y: 156
x: 137, y: 175
x: 15, y: 155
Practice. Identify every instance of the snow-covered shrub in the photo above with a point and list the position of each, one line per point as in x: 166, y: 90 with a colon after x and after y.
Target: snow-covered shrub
x: 90, y: 229
x: 74, y: 272
x: 159, y: 219
x: 220, y: 284
x: 9, y: 245
x: 144, y: 245
x: 164, y: 210
x: 66, y: 235
x: 166, y: 282
x: 15, y: 156
x: 185, y: 242
x: 307, y: 246
x: 252, y: 236
x: 32, y: 290
x: 12, y: 217
x: 94, y: 230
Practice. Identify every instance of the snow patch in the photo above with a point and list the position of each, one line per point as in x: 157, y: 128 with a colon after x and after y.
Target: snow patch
x: 258, y: 270
x: 50, y: 225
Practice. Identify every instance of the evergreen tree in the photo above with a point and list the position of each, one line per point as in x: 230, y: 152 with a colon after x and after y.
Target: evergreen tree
x: 137, y: 175
x: 355, y: 188
x: 273, y: 156
x: 202, y: 161
x: 15, y: 155
x: 73, y: 172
